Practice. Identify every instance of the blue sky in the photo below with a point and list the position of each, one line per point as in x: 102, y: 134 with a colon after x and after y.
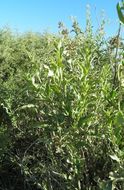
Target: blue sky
x: 41, y: 15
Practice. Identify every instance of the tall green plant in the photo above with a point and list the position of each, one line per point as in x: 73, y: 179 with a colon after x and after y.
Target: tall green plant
x: 66, y: 126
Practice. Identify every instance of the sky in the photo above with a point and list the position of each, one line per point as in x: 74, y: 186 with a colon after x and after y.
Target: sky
x: 44, y: 15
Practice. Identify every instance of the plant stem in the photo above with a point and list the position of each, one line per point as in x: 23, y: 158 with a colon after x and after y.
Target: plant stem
x: 116, y: 54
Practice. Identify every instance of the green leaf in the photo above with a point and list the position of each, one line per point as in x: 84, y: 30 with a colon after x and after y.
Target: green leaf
x: 120, y: 13
x: 119, y: 119
x: 115, y: 158
x: 106, y: 185
x: 26, y: 106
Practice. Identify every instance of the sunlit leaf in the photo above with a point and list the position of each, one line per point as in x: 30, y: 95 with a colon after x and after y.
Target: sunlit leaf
x: 120, y: 12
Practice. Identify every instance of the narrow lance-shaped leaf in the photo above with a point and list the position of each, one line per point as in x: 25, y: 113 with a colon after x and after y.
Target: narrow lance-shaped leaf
x: 120, y: 13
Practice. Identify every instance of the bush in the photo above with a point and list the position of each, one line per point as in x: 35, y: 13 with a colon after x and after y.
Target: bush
x: 61, y: 112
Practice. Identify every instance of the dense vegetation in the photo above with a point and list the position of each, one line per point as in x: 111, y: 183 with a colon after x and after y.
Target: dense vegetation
x: 61, y: 111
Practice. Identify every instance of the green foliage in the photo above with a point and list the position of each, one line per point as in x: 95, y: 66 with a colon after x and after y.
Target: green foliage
x: 120, y: 8
x: 61, y: 117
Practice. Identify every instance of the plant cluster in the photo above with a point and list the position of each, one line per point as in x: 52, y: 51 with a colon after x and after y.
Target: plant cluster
x: 61, y: 111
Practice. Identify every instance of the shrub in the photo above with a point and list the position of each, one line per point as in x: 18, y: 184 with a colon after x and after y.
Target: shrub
x: 61, y: 113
